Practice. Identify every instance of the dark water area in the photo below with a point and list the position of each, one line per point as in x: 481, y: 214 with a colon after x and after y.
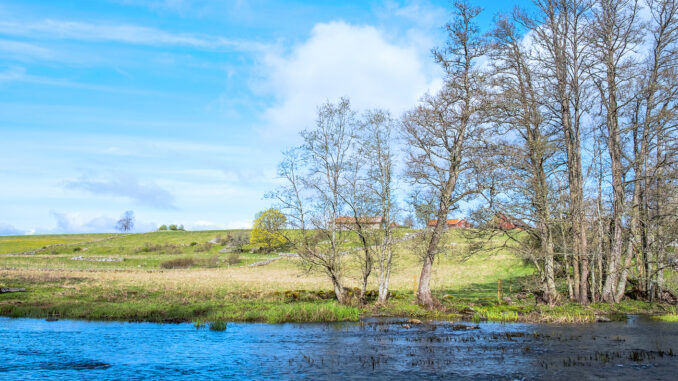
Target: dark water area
x: 636, y: 349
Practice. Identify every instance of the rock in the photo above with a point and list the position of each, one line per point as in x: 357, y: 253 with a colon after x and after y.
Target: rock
x: 213, y: 241
x: 406, y: 326
x: 414, y: 321
x: 467, y: 311
x: 463, y: 327
x: 51, y: 319
x: 603, y: 319
x: 94, y: 259
x: 506, y: 300
x: 8, y: 290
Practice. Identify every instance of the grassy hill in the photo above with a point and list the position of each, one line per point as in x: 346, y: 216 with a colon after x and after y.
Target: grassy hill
x: 65, y: 277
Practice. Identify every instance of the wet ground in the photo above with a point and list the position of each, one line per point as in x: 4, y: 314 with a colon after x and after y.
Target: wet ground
x: 373, y: 349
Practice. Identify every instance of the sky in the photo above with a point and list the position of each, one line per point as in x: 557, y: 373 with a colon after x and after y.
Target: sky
x: 179, y: 110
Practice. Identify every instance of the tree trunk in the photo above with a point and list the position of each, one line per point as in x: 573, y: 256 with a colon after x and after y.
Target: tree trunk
x: 339, y: 291
x: 424, y: 296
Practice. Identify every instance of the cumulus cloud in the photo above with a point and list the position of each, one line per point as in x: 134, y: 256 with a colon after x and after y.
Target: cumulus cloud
x: 145, y: 193
x: 341, y: 59
x: 7, y: 229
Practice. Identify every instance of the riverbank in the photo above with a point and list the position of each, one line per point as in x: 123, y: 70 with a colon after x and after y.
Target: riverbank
x: 212, y: 286
x: 200, y: 295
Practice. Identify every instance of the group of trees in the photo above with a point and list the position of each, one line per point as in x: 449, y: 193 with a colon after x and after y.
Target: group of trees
x: 172, y: 227
x: 563, y: 117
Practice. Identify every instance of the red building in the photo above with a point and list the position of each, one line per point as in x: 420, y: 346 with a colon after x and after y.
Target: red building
x: 453, y: 223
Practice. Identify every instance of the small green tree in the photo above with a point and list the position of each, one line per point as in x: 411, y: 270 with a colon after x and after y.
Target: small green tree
x: 173, y: 227
x: 267, y: 230
x: 162, y: 228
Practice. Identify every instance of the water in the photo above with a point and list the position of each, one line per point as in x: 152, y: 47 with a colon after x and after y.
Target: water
x: 373, y: 349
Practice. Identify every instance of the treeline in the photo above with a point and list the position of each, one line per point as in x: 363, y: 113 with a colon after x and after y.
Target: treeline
x: 562, y: 118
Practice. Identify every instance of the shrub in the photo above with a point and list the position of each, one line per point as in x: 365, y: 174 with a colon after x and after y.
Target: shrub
x: 173, y: 227
x: 203, y: 248
x: 193, y: 243
x: 162, y: 228
x: 179, y: 263
x: 233, y: 259
x: 211, y: 262
x: 76, y: 249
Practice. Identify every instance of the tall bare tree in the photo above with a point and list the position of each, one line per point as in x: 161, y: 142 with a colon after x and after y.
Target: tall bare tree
x: 560, y: 30
x: 377, y: 143
x: 615, y: 34
x: 517, y: 112
x: 439, y: 131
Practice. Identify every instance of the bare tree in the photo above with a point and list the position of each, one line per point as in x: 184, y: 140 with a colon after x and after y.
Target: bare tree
x: 312, y: 199
x: 126, y: 222
x: 653, y: 119
x: 528, y: 150
x: 439, y: 130
x: 377, y: 143
x: 560, y: 31
x: 615, y: 34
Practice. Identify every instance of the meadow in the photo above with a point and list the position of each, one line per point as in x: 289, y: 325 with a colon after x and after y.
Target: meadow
x: 177, y: 276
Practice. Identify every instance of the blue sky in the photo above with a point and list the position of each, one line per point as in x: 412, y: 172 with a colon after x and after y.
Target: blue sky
x: 178, y: 110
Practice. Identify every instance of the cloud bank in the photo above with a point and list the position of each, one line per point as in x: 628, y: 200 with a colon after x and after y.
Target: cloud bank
x: 145, y: 193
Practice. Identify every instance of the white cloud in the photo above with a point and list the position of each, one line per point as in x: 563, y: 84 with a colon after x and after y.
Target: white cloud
x: 12, y: 74
x: 121, y: 33
x: 24, y: 50
x: 339, y: 60
x: 7, y: 229
x: 122, y: 185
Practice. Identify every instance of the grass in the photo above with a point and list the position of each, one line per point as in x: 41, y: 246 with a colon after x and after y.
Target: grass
x: 208, y: 286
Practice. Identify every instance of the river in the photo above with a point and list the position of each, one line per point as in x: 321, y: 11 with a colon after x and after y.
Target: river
x: 373, y: 349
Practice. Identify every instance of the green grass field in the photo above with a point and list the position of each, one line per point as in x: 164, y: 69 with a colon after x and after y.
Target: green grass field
x: 138, y: 287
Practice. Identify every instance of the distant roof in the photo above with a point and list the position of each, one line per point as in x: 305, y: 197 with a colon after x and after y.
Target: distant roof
x: 449, y: 222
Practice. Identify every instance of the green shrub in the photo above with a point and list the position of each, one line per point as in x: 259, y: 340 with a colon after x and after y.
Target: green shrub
x: 162, y: 228
x: 179, y: 263
x: 173, y: 227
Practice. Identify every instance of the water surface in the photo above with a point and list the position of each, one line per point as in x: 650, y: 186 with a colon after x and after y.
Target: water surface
x: 372, y: 349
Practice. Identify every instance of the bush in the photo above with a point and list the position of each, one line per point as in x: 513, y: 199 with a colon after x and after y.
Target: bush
x: 151, y: 247
x: 203, y: 248
x: 193, y: 243
x: 162, y: 228
x: 179, y: 263
x: 173, y: 227
x: 233, y: 259
x: 211, y: 262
